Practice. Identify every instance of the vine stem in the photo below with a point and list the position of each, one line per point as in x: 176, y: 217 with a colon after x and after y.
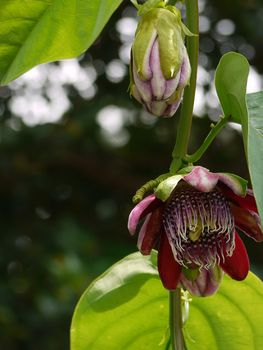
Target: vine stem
x: 180, y: 151
x: 177, y: 338
x: 185, y: 121
x: 208, y: 140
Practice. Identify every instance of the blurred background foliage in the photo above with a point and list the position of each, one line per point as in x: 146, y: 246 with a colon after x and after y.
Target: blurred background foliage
x: 75, y: 147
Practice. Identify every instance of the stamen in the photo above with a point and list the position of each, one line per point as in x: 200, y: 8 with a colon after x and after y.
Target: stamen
x: 199, y: 226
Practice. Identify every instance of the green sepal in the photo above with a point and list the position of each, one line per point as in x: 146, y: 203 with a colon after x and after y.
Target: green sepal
x: 187, y: 31
x: 135, y: 4
x: 166, y: 26
x: 239, y: 183
x: 171, y: 44
x: 144, y: 37
x: 190, y: 274
x: 149, y: 5
x: 166, y: 187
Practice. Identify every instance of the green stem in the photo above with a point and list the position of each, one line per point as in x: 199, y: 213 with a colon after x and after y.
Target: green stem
x: 177, y: 338
x: 185, y: 122
x: 180, y: 150
x: 208, y: 140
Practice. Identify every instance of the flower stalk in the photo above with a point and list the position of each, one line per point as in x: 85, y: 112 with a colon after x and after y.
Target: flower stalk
x: 185, y: 121
x: 177, y: 338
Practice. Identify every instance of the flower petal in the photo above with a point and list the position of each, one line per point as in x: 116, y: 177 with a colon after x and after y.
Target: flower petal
x: 202, y: 179
x: 150, y: 231
x: 171, y: 109
x: 143, y: 86
x: 171, y: 86
x: 236, y: 183
x: 135, y: 93
x: 147, y: 205
x: 237, y: 265
x: 248, y: 222
x: 156, y: 108
x: 158, y: 82
x: 168, y: 267
x: 206, y: 283
x: 185, y: 71
x: 247, y: 202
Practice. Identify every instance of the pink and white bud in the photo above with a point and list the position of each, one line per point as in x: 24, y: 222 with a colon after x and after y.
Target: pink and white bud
x: 160, y: 67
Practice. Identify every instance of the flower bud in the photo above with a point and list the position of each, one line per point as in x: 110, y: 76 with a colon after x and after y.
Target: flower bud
x: 160, y: 67
x: 204, y: 282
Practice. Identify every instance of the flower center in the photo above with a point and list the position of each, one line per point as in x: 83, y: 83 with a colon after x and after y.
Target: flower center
x: 199, y: 226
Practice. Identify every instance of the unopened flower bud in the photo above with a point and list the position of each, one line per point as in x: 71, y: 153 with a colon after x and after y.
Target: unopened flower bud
x: 204, y: 282
x: 160, y: 67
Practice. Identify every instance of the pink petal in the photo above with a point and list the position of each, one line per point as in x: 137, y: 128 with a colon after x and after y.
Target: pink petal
x: 202, y: 179
x: 147, y: 71
x: 237, y: 265
x: 143, y: 86
x: 206, y: 283
x: 185, y: 71
x: 168, y: 267
x: 158, y: 82
x: 171, y: 109
x: 147, y: 205
x: 171, y: 86
x: 248, y: 222
x: 150, y: 231
x: 247, y: 202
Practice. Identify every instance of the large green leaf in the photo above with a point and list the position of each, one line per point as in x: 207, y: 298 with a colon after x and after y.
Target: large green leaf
x: 39, y: 31
x: 127, y: 308
x: 231, y: 82
x: 254, y: 145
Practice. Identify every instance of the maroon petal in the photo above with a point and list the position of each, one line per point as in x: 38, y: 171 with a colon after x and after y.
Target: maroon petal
x: 168, y: 267
x: 248, y: 222
x: 150, y: 231
x: 142, y: 209
x: 237, y: 265
x: 247, y: 202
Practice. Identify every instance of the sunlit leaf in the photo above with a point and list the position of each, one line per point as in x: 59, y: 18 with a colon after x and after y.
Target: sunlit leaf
x: 254, y: 145
x: 39, y: 31
x: 127, y: 308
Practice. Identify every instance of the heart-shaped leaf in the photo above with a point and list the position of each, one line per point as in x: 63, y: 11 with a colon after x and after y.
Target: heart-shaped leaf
x: 127, y: 308
x: 34, y: 32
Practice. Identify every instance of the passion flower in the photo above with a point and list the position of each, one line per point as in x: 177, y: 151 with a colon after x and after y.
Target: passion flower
x: 193, y: 220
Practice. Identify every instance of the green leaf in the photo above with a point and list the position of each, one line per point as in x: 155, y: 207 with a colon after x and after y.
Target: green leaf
x: 231, y: 81
x: 231, y: 319
x: 127, y: 308
x: 39, y: 31
x: 254, y: 145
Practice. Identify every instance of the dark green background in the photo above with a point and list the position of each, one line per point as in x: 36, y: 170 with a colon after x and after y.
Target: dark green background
x: 66, y: 194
